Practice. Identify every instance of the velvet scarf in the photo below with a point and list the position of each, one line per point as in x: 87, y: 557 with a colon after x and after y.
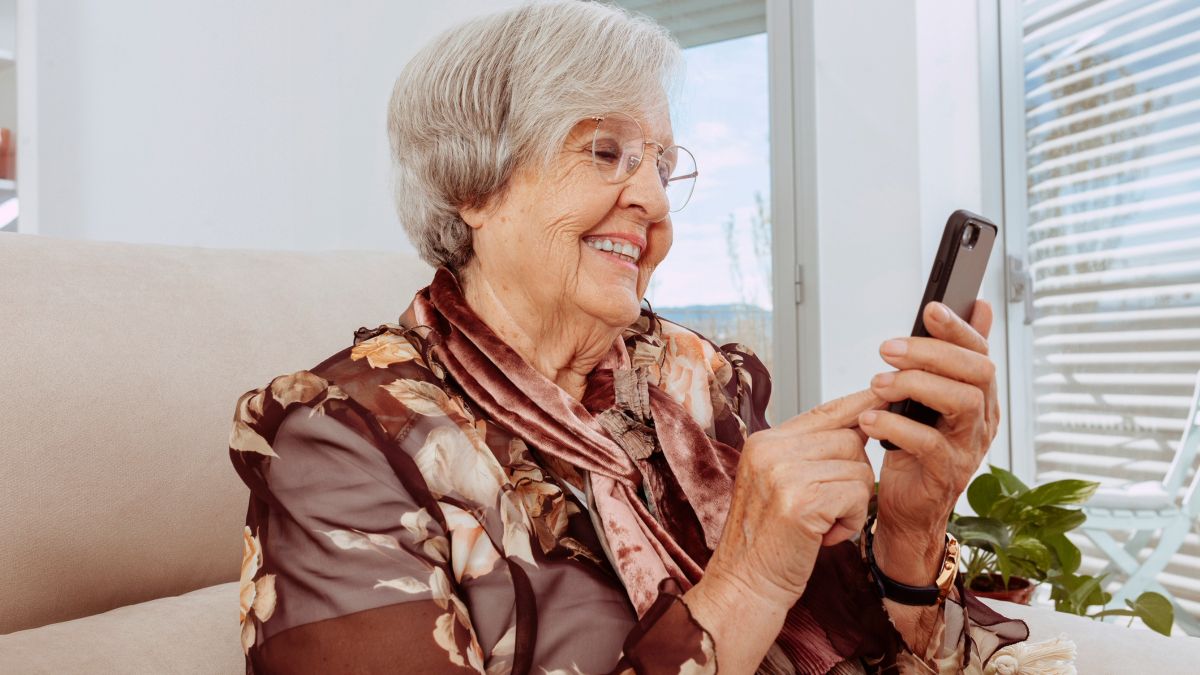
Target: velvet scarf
x: 662, y: 504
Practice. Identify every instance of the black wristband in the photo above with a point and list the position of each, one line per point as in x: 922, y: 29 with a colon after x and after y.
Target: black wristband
x: 890, y: 589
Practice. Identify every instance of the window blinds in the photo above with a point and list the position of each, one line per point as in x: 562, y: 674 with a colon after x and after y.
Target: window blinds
x: 700, y: 22
x: 1112, y: 119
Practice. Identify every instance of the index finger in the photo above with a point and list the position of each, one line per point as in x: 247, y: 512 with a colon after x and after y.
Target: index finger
x: 840, y: 413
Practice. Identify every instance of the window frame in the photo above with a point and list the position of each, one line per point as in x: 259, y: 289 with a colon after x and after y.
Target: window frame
x: 796, y: 384
x: 1003, y: 137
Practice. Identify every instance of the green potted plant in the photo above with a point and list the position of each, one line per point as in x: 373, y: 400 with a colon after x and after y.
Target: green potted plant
x: 1018, y: 539
x: 1078, y: 593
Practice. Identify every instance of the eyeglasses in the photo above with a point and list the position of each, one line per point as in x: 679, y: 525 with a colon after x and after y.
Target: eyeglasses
x: 618, y: 146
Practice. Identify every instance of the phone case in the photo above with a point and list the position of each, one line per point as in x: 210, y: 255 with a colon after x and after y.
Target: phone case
x: 954, y: 280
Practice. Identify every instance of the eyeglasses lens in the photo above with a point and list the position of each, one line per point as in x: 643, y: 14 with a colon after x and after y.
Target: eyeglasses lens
x: 681, y: 176
x: 618, y: 147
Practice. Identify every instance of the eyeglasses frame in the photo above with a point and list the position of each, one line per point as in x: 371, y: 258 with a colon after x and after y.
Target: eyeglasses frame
x: 661, y: 150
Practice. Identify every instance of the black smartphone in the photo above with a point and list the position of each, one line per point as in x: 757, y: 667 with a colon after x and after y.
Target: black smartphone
x: 954, y: 281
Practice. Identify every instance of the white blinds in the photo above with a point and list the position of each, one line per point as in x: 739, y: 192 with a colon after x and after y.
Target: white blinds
x: 700, y: 22
x: 1112, y: 117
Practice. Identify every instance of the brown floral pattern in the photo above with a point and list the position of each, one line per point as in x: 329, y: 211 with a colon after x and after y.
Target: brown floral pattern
x: 256, y: 593
x: 390, y: 527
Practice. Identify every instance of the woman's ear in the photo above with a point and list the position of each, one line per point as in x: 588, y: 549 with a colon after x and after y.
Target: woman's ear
x: 473, y: 216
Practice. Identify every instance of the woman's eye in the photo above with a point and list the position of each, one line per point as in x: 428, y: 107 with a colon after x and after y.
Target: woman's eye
x: 607, y: 156
x: 606, y: 149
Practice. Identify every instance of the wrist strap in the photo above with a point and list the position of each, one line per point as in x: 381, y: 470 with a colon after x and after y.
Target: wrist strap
x: 904, y: 594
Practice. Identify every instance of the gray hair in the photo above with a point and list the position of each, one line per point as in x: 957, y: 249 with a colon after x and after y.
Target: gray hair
x: 502, y: 92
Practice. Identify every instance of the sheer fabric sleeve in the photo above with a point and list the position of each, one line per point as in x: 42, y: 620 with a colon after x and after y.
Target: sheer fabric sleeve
x: 968, y: 636
x: 668, y: 640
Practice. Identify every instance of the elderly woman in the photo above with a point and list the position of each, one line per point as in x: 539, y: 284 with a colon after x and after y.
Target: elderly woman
x: 530, y: 472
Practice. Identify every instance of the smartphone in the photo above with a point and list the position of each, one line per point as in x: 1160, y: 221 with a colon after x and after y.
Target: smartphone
x: 954, y: 281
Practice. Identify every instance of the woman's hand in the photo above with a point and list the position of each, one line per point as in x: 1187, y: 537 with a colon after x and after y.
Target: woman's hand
x: 800, y: 486
x: 920, y: 483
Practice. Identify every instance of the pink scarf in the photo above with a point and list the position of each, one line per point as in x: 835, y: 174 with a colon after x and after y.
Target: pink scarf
x: 687, y: 476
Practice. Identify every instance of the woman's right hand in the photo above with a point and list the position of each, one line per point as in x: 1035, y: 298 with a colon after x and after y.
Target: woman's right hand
x: 800, y: 486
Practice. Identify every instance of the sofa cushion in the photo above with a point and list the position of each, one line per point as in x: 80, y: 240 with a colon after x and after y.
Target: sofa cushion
x: 192, y: 633
x: 121, y: 365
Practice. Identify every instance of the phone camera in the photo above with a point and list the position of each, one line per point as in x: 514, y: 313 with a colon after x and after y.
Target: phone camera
x: 970, y: 236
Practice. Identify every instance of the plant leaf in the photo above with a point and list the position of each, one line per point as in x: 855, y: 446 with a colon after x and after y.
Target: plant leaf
x: 1009, y: 510
x: 1061, y: 586
x: 1027, y: 549
x: 1155, y: 610
x: 1059, y: 592
x: 1113, y: 612
x: 1056, y: 520
x: 986, y: 533
x: 1009, y: 483
x: 1067, y: 491
x: 982, y: 494
x: 1089, y: 592
x: 1064, y: 550
x: 1004, y: 565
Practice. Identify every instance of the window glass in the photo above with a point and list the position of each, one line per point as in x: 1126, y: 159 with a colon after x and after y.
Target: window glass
x: 717, y: 278
x: 1111, y: 106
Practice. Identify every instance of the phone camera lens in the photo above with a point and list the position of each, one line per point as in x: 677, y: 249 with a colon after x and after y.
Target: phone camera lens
x: 970, y: 236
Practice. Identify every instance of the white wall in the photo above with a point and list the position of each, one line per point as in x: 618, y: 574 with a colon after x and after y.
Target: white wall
x: 898, y: 148
x: 868, y: 206
x: 221, y: 123
x: 261, y: 125
x: 952, y: 133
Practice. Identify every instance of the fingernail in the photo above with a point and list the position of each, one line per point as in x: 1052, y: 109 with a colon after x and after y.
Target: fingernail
x: 883, y: 380
x: 939, y: 311
x: 868, y: 417
x: 894, y: 348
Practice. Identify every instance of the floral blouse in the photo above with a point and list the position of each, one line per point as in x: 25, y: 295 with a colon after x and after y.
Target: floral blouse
x: 392, y: 526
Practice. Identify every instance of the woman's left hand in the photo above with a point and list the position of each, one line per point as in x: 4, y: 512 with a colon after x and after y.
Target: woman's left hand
x: 920, y: 483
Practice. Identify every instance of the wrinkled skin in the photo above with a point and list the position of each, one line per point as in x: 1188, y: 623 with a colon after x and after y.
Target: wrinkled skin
x: 557, y: 301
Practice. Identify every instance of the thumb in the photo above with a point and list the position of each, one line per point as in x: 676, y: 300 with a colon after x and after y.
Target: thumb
x: 840, y: 413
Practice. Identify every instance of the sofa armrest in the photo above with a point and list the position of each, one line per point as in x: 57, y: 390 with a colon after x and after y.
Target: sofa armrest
x: 198, y: 633
x: 192, y: 633
x: 1105, y: 647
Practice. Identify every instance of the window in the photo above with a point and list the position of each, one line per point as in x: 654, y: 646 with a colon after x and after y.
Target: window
x: 718, y: 278
x: 1102, y: 196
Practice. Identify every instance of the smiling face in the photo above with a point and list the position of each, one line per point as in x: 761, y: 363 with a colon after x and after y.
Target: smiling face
x: 566, y: 240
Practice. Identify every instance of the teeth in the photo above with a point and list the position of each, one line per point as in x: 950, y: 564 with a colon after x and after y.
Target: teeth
x: 621, y: 248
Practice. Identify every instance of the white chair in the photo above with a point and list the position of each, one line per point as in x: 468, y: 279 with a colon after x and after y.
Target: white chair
x: 1142, y: 509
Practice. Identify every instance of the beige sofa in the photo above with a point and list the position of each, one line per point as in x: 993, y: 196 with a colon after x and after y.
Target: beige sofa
x: 120, y: 515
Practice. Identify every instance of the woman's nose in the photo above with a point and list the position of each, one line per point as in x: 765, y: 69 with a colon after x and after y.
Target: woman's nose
x: 645, y: 189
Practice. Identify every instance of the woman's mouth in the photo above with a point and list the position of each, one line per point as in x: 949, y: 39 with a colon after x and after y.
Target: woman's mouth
x: 617, y: 248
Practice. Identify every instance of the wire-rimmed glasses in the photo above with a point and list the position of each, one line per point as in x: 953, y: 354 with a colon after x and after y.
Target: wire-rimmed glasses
x: 618, y: 146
